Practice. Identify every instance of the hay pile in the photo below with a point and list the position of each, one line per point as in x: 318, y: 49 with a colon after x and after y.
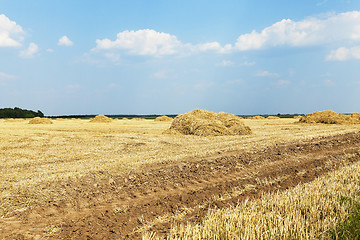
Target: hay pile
x: 273, y: 117
x: 256, y: 117
x: 101, y: 119
x: 205, y: 123
x: 39, y: 120
x: 138, y: 119
x: 329, y: 117
x: 355, y: 115
x: 163, y: 119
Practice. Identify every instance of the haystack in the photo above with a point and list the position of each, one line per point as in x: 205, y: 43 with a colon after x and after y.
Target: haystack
x: 138, y: 119
x: 205, y: 123
x: 256, y: 117
x: 355, y: 115
x: 39, y: 120
x: 163, y: 119
x: 328, y: 117
x: 101, y: 119
x: 272, y: 117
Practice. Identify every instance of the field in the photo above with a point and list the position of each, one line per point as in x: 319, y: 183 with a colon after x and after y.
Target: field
x: 74, y: 179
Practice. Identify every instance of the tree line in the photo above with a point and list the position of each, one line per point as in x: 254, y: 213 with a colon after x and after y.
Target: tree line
x: 19, y: 113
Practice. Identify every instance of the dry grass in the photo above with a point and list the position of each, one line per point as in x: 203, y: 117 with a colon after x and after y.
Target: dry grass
x: 330, y: 117
x: 206, y: 123
x: 38, y: 120
x: 307, y: 211
x: 37, y: 155
x: 101, y: 119
x: 272, y: 117
x: 163, y: 119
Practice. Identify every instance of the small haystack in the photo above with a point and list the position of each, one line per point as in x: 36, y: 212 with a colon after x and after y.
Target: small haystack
x: 205, y: 123
x: 101, y: 119
x: 39, y: 120
x: 328, y: 117
x: 163, y: 119
x: 256, y: 117
x: 272, y: 117
x: 138, y: 119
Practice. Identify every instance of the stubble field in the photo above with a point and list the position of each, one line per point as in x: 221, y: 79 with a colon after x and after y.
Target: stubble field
x: 126, y: 179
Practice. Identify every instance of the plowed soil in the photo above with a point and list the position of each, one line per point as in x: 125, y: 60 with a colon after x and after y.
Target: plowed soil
x: 119, y: 207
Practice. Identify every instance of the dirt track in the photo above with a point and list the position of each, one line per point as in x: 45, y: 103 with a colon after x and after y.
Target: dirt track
x: 114, y: 207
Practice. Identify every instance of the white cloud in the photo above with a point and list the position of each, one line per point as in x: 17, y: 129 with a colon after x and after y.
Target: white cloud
x: 10, y: 32
x: 150, y: 42
x: 50, y: 50
x: 225, y: 63
x: 65, y: 41
x: 246, y: 63
x: 343, y: 27
x: 5, y: 78
x: 281, y: 83
x: 30, y: 51
x: 164, y: 74
x: 266, y: 74
x: 343, y: 54
x: 329, y: 83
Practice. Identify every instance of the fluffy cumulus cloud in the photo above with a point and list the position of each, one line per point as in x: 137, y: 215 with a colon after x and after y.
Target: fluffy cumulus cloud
x: 65, y: 41
x: 30, y: 51
x: 343, y: 27
x: 10, y: 32
x: 150, y: 42
x: 343, y: 54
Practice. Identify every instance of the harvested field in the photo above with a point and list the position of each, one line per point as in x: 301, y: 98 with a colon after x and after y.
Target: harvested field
x: 75, y: 180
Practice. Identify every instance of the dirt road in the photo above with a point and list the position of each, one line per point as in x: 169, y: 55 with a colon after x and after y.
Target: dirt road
x: 155, y: 197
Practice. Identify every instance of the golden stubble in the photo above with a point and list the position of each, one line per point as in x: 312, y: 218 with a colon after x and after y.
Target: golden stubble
x: 34, y: 156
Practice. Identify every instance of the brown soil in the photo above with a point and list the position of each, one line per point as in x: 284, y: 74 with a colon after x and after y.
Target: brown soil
x: 114, y: 207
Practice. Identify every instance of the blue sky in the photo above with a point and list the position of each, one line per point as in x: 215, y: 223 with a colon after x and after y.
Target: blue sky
x: 162, y: 57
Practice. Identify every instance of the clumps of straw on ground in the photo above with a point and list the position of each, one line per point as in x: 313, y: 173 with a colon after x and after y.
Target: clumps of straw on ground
x: 330, y: 117
x: 206, y: 123
x: 272, y: 117
x: 163, y: 119
x: 101, y: 119
x: 39, y: 120
x: 256, y: 117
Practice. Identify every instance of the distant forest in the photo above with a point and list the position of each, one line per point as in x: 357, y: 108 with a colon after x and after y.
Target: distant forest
x: 19, y: 113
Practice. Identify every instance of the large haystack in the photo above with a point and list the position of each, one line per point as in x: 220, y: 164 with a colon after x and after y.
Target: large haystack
x: 38, y: 120
x: 328, y: 117
x: 205, y: 123
x: 101, y: 119
x: 163, y: 119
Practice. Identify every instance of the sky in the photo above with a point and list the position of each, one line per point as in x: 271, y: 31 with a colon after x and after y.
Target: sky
x: 244, y: 57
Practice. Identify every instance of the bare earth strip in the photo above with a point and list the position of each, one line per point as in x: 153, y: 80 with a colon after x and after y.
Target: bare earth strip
x: 155, y: 196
